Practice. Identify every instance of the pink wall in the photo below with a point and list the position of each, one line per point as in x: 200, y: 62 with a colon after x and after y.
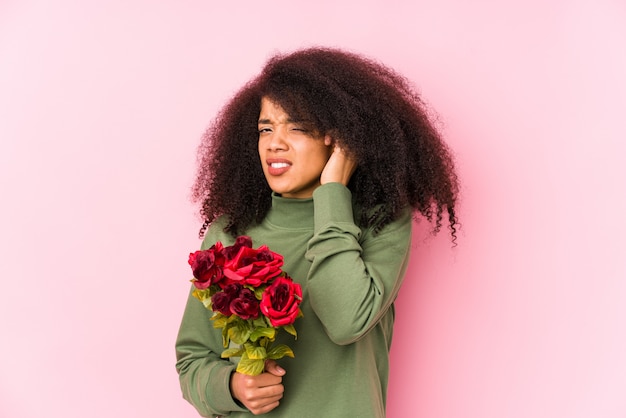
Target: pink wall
x: 101, y: 108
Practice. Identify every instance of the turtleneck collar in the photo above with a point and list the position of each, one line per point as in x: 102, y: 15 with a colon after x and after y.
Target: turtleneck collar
x: 291, y: 213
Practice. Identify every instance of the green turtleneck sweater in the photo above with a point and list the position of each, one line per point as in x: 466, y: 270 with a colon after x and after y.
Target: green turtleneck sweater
x: 350, y: 279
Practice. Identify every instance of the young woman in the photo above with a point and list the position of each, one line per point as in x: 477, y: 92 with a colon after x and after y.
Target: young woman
x: 324, y: 157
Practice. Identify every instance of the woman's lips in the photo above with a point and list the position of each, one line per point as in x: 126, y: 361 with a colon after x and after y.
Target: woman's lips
x: 277, y: 167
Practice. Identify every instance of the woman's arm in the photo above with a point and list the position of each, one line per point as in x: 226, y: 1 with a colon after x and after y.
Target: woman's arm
x: 204, y: 375
x: 355, y: 275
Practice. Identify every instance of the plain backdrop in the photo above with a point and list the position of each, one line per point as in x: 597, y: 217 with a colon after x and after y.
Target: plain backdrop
x: 102, y: 105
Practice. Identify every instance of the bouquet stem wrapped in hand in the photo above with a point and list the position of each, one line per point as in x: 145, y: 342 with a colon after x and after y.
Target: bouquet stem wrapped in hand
x: 251, y: 299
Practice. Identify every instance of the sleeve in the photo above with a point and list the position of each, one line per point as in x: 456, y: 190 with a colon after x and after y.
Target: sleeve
x: 204, y: 375
x: 355, y: 276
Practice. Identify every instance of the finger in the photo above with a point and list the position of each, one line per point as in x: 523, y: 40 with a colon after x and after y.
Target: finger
x: 263, y: 396
x: 262, y: 380
x: 272, y: 367
x: 263, y: 409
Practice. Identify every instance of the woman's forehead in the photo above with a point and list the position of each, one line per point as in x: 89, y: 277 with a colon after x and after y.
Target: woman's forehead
x: 273, y: 112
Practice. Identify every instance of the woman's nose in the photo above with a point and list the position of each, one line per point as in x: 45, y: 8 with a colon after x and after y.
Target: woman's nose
x: 277, y: 140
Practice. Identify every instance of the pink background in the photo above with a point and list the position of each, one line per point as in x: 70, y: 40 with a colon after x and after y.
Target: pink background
x: 101, y: 108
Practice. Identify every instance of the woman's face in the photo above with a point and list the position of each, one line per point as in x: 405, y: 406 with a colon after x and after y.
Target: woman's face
x: 292, y: 156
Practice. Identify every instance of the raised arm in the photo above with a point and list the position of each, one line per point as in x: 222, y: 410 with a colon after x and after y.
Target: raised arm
x: 355, y: 275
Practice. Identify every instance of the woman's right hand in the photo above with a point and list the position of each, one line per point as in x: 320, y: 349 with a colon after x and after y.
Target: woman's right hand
x: 339, y: 168
x: 262, y: 393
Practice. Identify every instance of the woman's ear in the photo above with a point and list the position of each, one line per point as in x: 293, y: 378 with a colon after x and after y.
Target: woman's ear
x: 328, y: 140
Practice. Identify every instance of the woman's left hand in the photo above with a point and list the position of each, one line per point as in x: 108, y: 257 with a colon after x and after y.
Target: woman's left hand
x: 339, y: 168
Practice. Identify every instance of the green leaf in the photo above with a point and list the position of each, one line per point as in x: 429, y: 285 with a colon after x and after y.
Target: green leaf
x: 263, y: 332
x: 204, y: 296
x: 200, y: 294
x: 291, y: 329
x: 258, y: 292
x: 219, y: 320
x: 225, y: 337
x: 260, y: 322
x: 240, y: 332
x: 232, y: 352
x: 280, y: 351
x: 250, y: 367
x: 254, y: 352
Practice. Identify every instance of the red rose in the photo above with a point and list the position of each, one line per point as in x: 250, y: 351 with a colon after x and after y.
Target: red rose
x: 241, y: 241
x: 207, y: 266
x: 245, y: 305
x: 221, y: 300
x: 253, y: 267
x: 281, y: 301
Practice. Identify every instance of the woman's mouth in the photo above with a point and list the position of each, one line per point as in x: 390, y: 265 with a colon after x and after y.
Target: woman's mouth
x: 276, y: 168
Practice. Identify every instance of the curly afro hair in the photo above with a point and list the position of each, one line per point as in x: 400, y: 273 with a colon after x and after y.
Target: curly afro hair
x: 370, y: 109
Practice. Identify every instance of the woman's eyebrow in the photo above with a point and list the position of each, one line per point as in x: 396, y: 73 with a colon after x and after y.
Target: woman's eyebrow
x: 269, y: 122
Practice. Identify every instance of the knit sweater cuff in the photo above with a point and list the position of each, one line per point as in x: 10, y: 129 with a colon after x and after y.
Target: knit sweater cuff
x: 223, y: 400
x: 333, y: 204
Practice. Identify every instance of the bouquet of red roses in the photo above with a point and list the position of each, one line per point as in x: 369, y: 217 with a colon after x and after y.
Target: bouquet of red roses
x: 251, y: 299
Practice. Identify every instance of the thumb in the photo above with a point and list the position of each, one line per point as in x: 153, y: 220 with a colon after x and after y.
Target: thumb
x: 272, y: 367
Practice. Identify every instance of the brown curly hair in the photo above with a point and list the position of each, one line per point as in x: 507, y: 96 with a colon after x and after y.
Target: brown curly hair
x: 371, y: 110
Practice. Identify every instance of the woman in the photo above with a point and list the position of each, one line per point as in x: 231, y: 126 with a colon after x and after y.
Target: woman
x: 324, y: 157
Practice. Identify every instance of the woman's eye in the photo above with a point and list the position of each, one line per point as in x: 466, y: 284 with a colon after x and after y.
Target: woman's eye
x: 264, y: 130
